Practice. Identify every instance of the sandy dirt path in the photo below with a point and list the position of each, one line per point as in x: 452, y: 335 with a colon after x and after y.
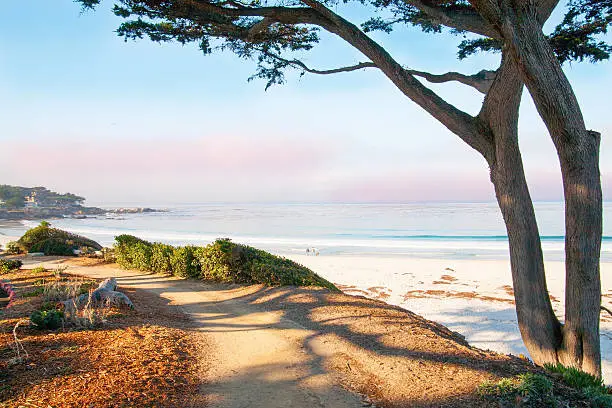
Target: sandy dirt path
x: 257, y: 358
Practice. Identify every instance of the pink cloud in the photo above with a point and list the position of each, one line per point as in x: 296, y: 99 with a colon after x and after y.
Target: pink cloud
x: 228, y: 154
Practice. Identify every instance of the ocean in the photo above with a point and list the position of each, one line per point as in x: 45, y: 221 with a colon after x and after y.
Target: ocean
x: 420, y: 230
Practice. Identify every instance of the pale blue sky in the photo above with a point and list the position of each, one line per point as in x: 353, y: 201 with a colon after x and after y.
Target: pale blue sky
x: 83, y: 111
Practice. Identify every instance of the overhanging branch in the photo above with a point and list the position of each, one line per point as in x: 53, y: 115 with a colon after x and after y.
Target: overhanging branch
x: 300, y: 64
x: 481, y: 81
x: 226, y: 22
x: 464, y: 19
x: 457, y: 121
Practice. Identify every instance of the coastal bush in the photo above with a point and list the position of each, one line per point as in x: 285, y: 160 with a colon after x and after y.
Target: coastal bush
x: 532, y: 390
x: 576, y: 378
x: 161, y: 255
x: 53, y: 246
x: 226, y: 261
x: 221, y: 261
x: 184, y: 263
x: 108, y: 254
x: 133, y: 253
x: 53, y: 239
x: 7, y: 265
x: 47, y: 319
x: 140, y: 256
x: 591, y: 387
x: 13, y: 248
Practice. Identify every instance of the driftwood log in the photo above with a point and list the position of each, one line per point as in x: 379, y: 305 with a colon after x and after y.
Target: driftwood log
x: 105, y: 294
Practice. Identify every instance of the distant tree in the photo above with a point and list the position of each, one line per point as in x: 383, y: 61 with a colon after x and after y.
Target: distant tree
x: 16, y: 195
x: 272, y: 32
x: 14, y: 203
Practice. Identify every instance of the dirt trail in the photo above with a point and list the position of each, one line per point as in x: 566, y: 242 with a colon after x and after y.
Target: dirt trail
x: 308, y: 347
x: 256, y: 359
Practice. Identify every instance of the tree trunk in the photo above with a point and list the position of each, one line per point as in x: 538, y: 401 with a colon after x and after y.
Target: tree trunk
x: 540, y: 328
x: 578, y: 151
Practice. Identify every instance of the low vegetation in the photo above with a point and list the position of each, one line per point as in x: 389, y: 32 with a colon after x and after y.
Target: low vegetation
x: 53, y: 241
x: 221, y: 261
x: 590, y: 386
x: 47, y: 319
x: 12, y: 248
x: 141, y: 357
x: 7, y: 265
x: 538, y: 390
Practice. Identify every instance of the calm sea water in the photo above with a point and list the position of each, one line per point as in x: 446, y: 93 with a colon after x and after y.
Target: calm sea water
x: 438, y: 230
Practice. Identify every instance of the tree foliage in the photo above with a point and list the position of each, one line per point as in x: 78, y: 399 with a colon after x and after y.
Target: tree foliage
x: 270, y: 32
x: 14, y: 197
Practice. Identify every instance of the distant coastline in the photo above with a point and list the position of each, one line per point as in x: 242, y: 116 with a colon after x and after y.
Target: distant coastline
x: 80, y: 213
x: 35, y: 203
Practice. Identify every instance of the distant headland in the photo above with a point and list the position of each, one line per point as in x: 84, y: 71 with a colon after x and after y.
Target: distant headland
x: 33, y: 203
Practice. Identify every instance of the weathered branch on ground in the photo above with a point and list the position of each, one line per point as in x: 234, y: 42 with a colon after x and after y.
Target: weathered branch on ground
x: 606, y: 309
x: 19, y: 350
x: 105, y: 294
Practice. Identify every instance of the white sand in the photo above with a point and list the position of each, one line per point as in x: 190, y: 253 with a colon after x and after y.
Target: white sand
x: 488, y: 324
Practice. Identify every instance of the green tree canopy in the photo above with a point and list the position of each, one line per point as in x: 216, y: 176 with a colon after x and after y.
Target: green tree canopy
x: 272, y: 32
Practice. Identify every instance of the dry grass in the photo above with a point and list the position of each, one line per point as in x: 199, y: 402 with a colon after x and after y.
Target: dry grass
x: 142, y: 357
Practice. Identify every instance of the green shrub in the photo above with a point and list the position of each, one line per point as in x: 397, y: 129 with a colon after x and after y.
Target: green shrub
x: 184, y: 263
x: 53, y: 246
x: 33, y: 293
x: 39, y: 269
x: 226, y: 261
x: 592, y: 387
x: 597, y: 398
x: 534, y: 390
x: 217, y: 263
x: 13, y: 248
x: 7, y: 265
x: 576, y: 378
x: 140, y: 255
x: 56, y: 241
x: 132, y: 253
x: 129, y: 240
x: 221, y: 261
x: 47, y: 319
x: 161, y: 255
x: 108, y: 254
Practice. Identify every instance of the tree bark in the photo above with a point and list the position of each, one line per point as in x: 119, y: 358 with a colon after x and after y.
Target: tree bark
x: 578, y: 152
x: 540, y: 328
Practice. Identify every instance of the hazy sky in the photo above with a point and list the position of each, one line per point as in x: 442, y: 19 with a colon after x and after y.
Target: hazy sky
x: 83, y: 111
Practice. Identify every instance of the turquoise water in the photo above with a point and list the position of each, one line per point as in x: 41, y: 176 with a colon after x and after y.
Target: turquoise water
x: 431, y: 230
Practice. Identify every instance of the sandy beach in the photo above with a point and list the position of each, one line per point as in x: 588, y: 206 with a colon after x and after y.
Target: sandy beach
x: 472, y: 297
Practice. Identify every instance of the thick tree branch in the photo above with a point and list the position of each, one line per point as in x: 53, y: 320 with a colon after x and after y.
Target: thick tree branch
x: 259, y: 27
x: 481, y: 81
x: 463, y: 19
x: 457, y: 121
x: 286, y: 15
x: 462, y: 124
x: 492, y: 11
